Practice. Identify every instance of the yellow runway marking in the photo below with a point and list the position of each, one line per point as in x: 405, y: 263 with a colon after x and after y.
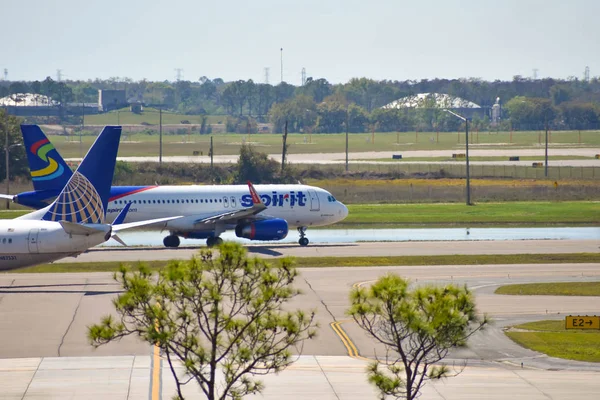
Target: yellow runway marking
x: 155, y: 380
x: 360, y: 284
x: 350, y: 347
x: 346, y: 341
x: 156, y: 371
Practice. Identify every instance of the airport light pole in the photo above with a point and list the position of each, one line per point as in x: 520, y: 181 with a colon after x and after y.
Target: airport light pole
x: 546, y: 153
x: 466, y: 153
x: 160, y: 137
x: 6, y: 150
x: 347, y: 138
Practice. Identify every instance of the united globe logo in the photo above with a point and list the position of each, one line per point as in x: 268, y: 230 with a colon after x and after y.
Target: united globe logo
x: 79, y: 202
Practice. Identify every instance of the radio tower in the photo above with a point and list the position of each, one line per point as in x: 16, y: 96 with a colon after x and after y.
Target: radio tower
x: 267, y: 75
x: 586, y: 74
x: 303, y: 76
x: 5, y: 74
x: 59, y: 75
x: 178, y: 74
x: 535, y: 73
x: 281, y: 50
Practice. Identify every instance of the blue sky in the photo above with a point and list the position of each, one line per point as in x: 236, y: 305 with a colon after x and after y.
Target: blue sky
x: 332, y: 39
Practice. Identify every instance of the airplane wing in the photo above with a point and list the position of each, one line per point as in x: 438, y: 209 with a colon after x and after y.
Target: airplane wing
x: 257, y: 207
x: 129, y: 225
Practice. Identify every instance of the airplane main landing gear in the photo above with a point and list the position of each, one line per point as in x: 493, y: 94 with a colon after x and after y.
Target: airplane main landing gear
x: 214, y: 241
x: 303, y: 239
x: 171, y: 241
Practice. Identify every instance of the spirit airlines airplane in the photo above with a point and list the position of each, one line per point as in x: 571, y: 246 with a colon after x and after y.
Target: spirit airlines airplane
x: 73, y: 222
x: 207, y: 211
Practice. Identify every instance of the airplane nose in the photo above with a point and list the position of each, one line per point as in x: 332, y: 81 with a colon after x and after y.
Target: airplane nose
x: 343, y: 211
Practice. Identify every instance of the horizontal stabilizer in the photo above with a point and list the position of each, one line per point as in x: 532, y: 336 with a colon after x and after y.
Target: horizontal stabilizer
x: 78, y: 229
x: 129, y: 225
x: 118, y: 239
x: 7, y: 196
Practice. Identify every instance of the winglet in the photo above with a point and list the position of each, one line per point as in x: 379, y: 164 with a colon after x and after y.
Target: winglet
x: 122, y: 215
x: 256, y: 200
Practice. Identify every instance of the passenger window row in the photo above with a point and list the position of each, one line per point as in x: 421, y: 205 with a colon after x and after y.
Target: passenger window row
x: 225, y: 201
x: 5, y: 240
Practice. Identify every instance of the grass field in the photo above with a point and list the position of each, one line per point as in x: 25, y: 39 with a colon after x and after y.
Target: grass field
x: 138, y: 144
x: 524, y: 213
x: 551, y: 338
x: 552, y: 289
x: 302, y: 262
x: 496, y: 214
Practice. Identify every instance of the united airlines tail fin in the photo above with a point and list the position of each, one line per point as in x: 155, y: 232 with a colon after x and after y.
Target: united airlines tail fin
x: 48, y: 169
x: 85, y: 196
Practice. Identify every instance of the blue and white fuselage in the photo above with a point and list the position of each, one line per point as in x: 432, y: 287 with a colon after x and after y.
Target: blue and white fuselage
x: 207, y: 211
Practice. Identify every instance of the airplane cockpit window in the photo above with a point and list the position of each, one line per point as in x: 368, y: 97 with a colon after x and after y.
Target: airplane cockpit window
x: 331, y: 199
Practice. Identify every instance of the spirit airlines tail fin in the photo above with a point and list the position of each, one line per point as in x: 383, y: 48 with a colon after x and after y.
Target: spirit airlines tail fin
x: 49, y: 172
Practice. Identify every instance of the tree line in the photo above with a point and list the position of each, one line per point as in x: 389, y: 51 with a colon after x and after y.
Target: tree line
x: 320, y: 106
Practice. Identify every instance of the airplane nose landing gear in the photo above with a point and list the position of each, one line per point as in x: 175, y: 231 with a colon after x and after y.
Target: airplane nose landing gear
x: 214, y: 241
x: 303, y: 239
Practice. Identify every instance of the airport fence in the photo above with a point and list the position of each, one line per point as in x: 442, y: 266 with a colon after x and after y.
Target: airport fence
x: 476, y: 170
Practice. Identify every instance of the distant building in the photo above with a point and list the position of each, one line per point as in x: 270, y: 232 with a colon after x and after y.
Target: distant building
x: 111, y: 100
x: 38, y: 105
x: 29, y: 104
x: 496, y: 111
x: 438, y: 100
x: 27, y: 100
x: 136, y: 107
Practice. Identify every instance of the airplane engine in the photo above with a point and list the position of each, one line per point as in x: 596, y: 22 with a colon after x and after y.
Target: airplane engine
x: 268, y: 229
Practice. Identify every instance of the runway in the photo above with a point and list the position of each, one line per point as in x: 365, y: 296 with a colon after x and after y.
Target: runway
x: 44, y: 319
x: 368, y: 249
x: 371, y: 157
